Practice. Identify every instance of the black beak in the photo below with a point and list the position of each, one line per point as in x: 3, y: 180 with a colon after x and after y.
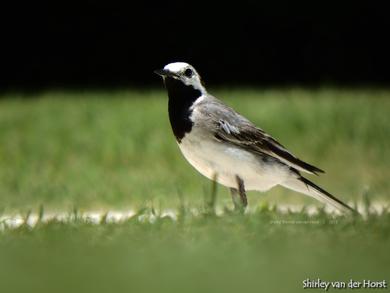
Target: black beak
x: 164, y: 73
x: 160, y: 72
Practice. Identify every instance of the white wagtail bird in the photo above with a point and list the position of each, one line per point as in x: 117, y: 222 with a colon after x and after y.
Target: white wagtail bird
x: 226, y: 147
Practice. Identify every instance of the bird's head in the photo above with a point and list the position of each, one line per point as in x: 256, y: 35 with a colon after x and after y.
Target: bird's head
x: 182, y: 72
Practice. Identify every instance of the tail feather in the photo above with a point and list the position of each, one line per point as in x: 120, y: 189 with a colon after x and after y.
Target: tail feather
x: 305, y: 186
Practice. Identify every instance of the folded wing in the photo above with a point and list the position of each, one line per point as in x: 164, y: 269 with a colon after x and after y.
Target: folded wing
x: 233, y: 128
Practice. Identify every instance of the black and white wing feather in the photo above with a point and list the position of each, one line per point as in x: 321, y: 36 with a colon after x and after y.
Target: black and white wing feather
x: 233, y: 128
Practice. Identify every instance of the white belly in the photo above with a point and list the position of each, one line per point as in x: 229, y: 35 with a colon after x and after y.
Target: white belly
x: 224, y: 162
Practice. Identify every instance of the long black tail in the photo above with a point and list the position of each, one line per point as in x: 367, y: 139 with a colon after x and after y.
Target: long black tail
x: 323, y: 192
x: 305, y: 186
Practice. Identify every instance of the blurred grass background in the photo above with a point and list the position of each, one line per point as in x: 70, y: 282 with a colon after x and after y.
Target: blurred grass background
x: 115, y: 150
x: 233, y: 253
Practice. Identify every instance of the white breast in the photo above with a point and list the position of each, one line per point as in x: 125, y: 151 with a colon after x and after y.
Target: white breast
x: 223, y: 161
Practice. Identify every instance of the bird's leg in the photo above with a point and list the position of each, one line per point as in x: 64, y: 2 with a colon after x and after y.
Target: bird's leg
x: 239, y: 204
x: 241, y: 191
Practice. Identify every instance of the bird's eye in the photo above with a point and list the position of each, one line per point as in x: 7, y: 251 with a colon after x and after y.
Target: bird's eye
x: 188, y: 73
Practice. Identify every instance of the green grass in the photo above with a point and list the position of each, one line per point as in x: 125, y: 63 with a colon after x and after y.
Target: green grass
x: 206, y: 253
x: 114, y: 150
x: 93, y: 150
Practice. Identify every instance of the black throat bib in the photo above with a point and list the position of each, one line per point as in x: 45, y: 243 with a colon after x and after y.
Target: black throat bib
x: 181, y: 98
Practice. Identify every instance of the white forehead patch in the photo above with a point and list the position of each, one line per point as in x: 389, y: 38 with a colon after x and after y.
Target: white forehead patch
x: 176, y: 67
